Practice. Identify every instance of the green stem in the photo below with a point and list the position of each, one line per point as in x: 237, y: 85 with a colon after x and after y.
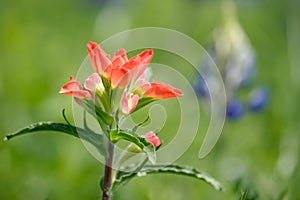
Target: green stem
x: 108, y: 173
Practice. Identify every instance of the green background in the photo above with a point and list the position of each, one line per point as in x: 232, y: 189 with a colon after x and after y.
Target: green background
x: 43, y: 42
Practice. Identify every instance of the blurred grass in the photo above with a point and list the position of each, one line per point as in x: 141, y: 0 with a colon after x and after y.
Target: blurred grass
x: 42, y: 43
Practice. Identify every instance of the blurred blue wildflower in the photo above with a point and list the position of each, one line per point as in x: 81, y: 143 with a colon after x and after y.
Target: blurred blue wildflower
x: 259, y: 99
x: 235, y: 108
x: 235, y: 57
x: 200, y: 87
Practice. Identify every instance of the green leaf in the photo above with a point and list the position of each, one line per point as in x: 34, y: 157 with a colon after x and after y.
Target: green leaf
x: 122, y: 176
x: 143, y: 102
x: 141, y: 142
x: 116, y: 135
x: 105, y: 117
x: 87, y: 135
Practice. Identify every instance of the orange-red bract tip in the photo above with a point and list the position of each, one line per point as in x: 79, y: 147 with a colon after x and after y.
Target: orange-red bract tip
x: 98, y: 57
x: 75, y: 89
x: 91, y: 46
x: 161, y: 90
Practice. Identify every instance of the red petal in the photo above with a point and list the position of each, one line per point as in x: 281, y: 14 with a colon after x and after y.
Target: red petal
x: 134, y: 102
x: 139, y: 63
x: 122, y: 53
x: 143, y: 58
x: 92, y: 82
x: 160, y: 90
x: 99, y: 59
x: 75, y: 89
x: 128, y: 104
x: 78, y: 94
x: 72, y: 85
x: 119, y: 77
x: 117, y: 62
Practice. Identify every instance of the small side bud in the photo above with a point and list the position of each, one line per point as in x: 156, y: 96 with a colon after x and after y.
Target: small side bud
x: 151, y: 137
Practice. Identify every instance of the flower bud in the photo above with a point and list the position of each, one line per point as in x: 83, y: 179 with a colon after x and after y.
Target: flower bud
x: 151, y: 137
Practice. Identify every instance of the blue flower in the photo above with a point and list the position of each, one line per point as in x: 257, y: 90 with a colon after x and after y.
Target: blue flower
x: 259, y: 99
x: 200, y: 87
x: 235, y: 108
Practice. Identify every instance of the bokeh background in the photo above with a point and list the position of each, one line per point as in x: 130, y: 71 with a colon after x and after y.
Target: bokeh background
x: 43, y: 42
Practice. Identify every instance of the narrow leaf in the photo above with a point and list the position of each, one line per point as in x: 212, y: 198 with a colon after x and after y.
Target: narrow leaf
x: 87, y: 135
x: 174, y: 169
x: 45, y: 126
x: 65, y: 118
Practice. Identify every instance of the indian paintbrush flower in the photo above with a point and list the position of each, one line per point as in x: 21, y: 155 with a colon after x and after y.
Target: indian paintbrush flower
x: 114, y: 78
x: 99, y: 92
x: 119, y: 72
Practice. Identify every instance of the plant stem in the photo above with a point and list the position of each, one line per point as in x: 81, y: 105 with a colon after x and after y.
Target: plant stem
x: 107, y: 180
